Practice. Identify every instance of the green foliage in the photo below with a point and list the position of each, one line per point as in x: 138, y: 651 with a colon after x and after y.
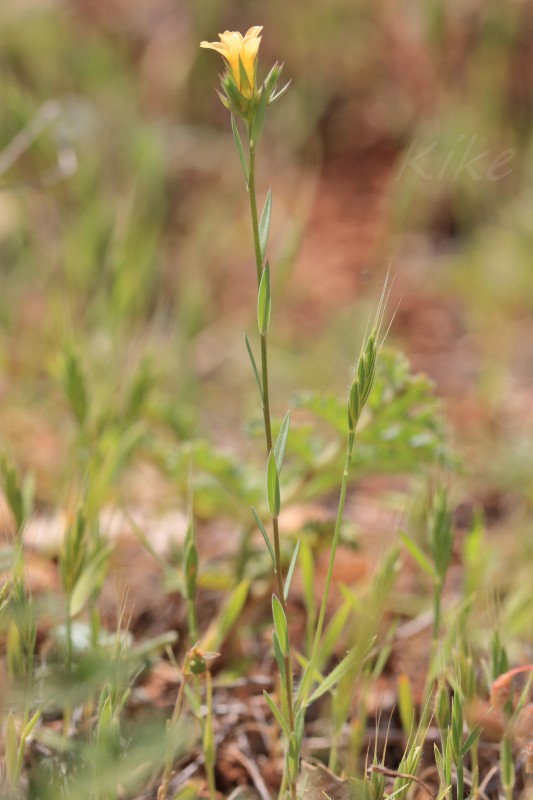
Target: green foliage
x: 402, y: 429
x: 264, y: 224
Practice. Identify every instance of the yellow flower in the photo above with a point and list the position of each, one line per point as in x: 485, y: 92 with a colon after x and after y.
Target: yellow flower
x: 232, y: 46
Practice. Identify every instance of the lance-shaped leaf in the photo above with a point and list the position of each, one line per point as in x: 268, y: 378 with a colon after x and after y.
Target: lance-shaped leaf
x: 264, y: 223
x: 254, y: 365
x: 223, y: 623
x: 290, y: 571
x: 265, y: 536
x: 335, y: 675
x: 280, y: 661
x: 264, y: 302
x: 419, y: 556
x: 90, y: 580
x: 273, y: 495
x: 280, y: 624
x: 281, y: 441
x: 277, y: 714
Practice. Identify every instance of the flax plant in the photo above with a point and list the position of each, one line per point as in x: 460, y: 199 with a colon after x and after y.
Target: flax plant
x: 241, y: 96
x: 247, y: 103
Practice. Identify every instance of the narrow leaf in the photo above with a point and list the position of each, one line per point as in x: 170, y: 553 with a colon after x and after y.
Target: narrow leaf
x: 31, y: 725
x: 333, y: 633
x: 240, y: 148
x: 264, y: 223
x: 254, y: 365
x: 277, y: 714
x: 274, y: 500
x: 264, y: 302
x: 335, y: 675
x: 265, y: 536
x: 280, y: 624
x: 89, y: 581
x: 419, y: 556
x: 471, y: 739
x: 406, y: 704
x: 281, y: 441
x: 280, y: 661
x: 222, y: 624
x: 75, y: 388
x: 290, y: 572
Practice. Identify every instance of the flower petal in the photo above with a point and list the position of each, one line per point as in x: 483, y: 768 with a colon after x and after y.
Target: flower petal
x: 253, y: 32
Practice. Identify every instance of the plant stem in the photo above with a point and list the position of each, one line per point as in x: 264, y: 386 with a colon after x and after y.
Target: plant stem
x: 68, y: 635
x: 191, y: 621
x: 268, y: 441
x: 335, y: 541
x: 437, y: 613
x: 327, y: 585
x: 209, y: 752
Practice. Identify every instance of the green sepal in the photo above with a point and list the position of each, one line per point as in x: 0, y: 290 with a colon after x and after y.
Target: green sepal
x: 272, y: 79
x: 245, y: 83
x: 238, y: 104
x: 281, y: 92
x: 238, y: 145
x: 259, y: 119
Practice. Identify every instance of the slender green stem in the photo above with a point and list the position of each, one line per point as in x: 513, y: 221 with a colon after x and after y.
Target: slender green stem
x: 329, y: 575
x: 474, y: 755
x: 433, y: 654
x: 268, y: 441
x: 68, y: 635
x: 437, y: 613
x: 191, y: 620
x: 255, y: 220
x: 335, y: 542
x: 460, y: 780
x: 209, y: 753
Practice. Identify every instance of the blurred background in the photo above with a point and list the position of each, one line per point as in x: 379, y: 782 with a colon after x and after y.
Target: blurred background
x: 405, y: 142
